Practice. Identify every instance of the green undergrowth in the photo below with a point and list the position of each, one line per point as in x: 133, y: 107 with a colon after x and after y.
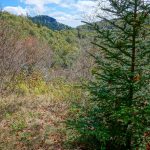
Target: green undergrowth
x: 34, y: 116
x: 35, y: 84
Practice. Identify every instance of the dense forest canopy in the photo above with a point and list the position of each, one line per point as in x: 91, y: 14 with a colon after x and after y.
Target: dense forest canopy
x: 49, y: 22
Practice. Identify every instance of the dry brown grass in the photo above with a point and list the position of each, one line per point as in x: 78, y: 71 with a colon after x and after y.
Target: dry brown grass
x: 32, y: 123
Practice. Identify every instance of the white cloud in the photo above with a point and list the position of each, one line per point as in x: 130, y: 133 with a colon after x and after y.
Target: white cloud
x: 69, y: 19
x: 16, y: 10
x: 75, y: 10
x: 85, y: 5
x: 39, y: 6
x: 90, y: 9
x: 80, y: 5
x: 41, y: 2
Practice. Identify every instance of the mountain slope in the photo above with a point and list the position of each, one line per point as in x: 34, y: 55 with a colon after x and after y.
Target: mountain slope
x: 49, y: 22
x: 47, y: 48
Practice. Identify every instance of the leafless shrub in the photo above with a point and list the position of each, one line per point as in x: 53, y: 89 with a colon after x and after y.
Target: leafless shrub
x: 17, y: 54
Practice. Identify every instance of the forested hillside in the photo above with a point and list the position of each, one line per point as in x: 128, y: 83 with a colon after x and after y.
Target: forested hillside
x: 49, y: 22
x: 29, y: 47
x: 83, y: 88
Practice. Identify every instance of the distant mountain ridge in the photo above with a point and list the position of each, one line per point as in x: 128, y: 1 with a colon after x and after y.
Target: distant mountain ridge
x: 49, y: 22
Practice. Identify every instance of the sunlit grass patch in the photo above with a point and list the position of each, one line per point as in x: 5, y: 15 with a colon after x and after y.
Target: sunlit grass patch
x: 57, y: 89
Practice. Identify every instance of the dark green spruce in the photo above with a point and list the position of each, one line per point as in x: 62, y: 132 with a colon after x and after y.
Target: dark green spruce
x: 117, y: 116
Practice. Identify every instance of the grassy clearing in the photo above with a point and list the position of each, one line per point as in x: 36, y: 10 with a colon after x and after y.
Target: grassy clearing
x: 36, y: 122
x: 32, y: 123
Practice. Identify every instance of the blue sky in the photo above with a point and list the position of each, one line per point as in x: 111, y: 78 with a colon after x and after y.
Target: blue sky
x: 69, y: 12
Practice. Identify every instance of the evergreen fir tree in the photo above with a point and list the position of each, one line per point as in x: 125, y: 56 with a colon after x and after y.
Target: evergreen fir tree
x: 118, y: 115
